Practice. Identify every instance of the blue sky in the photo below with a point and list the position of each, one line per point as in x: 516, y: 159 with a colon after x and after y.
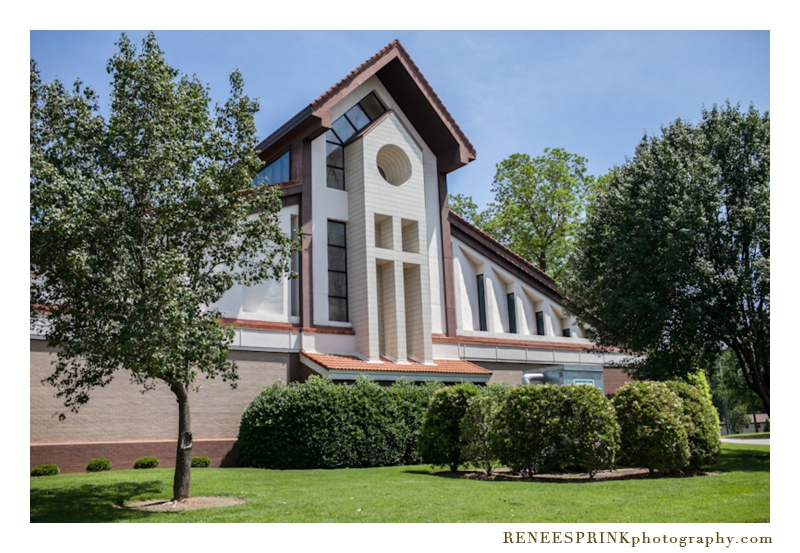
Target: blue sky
x: 593, y: 93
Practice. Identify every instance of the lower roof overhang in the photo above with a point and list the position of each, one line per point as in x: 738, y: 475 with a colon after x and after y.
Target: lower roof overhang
x: 350, y: 367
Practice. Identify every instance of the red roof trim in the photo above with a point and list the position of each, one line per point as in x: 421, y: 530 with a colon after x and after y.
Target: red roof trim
x: 335, y: 362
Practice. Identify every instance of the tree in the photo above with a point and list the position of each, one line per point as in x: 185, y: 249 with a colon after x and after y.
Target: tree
x: 538, y: 205
x: 139, y: 223
x: 673, y: 261
x: 730, y: 394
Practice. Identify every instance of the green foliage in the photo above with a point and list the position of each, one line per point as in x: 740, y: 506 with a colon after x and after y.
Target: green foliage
x: 45, y: 470
x: 544, y: 428
x: 528, y: 429
x: 140, y: 222
x: 653, y: 434
x: 673, y: 259
x: 701, y: 422
x: 201, y: 461
x: 590, y: 435
x: 477, y: 431
x: 319, y: 424
x: 98, y: 465
x: 440, y: 441
x: 146, y: 463
x: 538, y: 204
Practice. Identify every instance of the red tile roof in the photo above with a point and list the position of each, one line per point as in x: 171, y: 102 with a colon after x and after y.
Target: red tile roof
x: 353, y: 363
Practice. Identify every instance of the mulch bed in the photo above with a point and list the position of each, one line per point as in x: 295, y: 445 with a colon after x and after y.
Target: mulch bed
x: 159, y: 505
x: 505, y: 474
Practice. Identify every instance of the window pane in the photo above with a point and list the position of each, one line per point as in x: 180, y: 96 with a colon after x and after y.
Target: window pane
x: 372, y: 107
x: 337, y: 259
x: 330, y: 136
x: 357, y: 117
x: 337, y: 309
x: 540, y: 323
x: 344, y: 130
x: 336, y: 233
x: 336, y: 178
x: 282, y: 168
x: 335, y: 155
x: 337, y: 284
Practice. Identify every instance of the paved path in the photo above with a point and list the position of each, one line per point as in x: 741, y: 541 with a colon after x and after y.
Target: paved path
x: 754, y: 441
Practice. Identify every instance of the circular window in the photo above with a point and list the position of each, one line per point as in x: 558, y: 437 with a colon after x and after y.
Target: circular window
x: 394, y: 165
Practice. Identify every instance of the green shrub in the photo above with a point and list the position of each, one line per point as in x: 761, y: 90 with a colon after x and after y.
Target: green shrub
x: 201, y: 462
x: 701, y: 423
x: 477, y: 431
x: 652, y: 432
x: 528, y: 429
x: 45, y: 470
x: 590, y: 433
x: 146, y: 463
x: 440, y: 441
x: 98, y: 465
x: 319, y: 424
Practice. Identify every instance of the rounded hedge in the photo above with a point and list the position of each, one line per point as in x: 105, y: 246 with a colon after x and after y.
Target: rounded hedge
x: 478, y: 429
x: 590, y: 433
x: 201, y: 462
x: 319, y: 424
x: 653, y: 435
x: 440, y: 440
x: 146, y: 463
x: 528, y: 433
x: 45, y: 470
x: 98, y: 465
x: 701, y: 421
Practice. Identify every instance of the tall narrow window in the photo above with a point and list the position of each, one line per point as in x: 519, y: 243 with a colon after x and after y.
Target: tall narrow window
x: 567, y: 333
x: 275, y: 172
x: 335, y: 160
x: 337, y: 272
x: 540, y: 323
x: 481, y: 303
x: 512, y: 314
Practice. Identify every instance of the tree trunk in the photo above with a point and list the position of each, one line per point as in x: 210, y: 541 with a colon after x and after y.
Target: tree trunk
x: 182, y: 483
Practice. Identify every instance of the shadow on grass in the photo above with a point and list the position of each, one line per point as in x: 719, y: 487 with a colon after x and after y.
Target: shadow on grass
x: 90, y: 503
x: 743, y: 459
x: 732, y: 459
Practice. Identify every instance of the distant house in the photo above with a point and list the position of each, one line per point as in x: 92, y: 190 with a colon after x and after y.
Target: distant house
x: 392, y: 283
x: 757, y: 424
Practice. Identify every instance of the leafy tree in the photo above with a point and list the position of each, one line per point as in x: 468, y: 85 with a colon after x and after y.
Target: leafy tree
x: 730, y: 394
x: 139, y: 223
x: 538, y: 205
x: 673, y: 260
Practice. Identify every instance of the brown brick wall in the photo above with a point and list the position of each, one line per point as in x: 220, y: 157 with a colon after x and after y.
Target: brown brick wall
x: 121, y: 413
x: 614, y: 379
x: 74, y: 457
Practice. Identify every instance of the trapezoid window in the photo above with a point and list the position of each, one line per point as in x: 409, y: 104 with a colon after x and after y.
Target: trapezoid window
x: 275, y: 172
x: 345, y: 128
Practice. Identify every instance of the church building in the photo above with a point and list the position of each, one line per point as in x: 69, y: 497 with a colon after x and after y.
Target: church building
x: 391, y: 284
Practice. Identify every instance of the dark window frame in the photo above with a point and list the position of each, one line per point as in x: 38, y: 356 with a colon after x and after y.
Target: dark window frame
x: 512, y: 313
x: 482, y: 303
x: 540, y: 323
x: 565, y: 332
x: 338, y: 272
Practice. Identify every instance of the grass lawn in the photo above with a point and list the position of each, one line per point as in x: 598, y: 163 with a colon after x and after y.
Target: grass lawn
x: 748, y: 436
x: 738, y: 493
